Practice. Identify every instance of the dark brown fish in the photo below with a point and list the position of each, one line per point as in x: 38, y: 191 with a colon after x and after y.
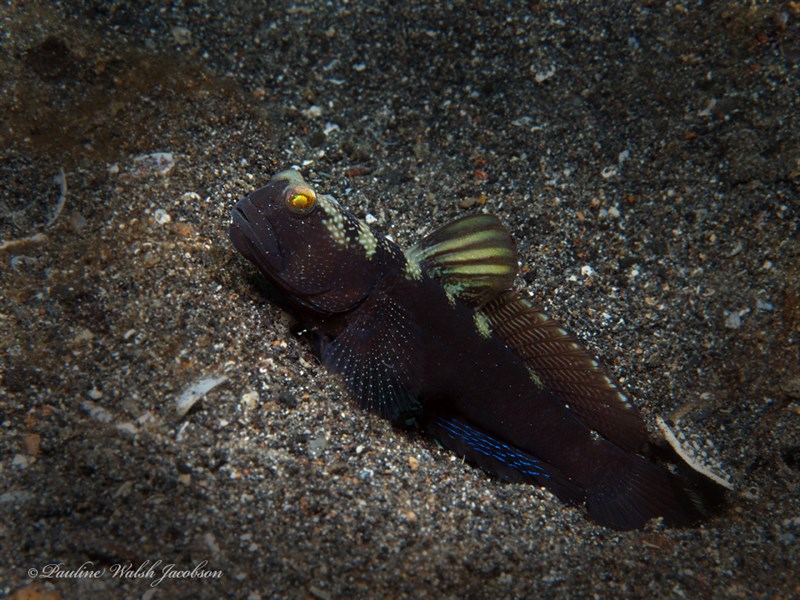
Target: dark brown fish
x: 434, y: 336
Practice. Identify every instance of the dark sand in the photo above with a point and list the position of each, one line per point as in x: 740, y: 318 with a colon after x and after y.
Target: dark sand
x: 645, y: 157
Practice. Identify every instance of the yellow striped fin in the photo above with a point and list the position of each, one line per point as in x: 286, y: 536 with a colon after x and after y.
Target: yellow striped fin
x: 474, y: 257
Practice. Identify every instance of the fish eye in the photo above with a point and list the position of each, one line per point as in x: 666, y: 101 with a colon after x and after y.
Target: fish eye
x: 300, y: 199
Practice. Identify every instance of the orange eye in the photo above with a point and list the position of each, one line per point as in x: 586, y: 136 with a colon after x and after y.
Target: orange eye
x: 300, y: 199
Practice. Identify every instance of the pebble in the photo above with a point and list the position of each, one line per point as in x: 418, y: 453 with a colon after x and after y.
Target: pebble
x: 410, y: 516
x: 161, y: 216
x: 609, y: 172
x: 542, y: 75
x: 761, y: 305
x: 791, y: 389
x: 32, y: 443
x: 211, y: 543
x: 195, y: 391
x: 16, y: 497
x: 127, y: 427
x: 22, y: 461
x: 249, y: 399
x: 96, y: 412
x: 319, y: 593
x: 733, y: 321
x: 181, y: 35
x: 36, y: 591
x: 312, y: 112
x: 317, y: 445
x: 124, y: 490
x: 160, y: 163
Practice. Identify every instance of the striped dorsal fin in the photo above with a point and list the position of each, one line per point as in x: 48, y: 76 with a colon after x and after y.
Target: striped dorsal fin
x: 474, y: 258
x: 559, y: 362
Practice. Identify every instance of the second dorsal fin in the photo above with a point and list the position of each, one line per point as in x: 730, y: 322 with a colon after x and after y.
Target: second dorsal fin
x: 474, y: 258
x: 559, y: 362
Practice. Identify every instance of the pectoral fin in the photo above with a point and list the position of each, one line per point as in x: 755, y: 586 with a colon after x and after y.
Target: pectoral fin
x: 379, y: 356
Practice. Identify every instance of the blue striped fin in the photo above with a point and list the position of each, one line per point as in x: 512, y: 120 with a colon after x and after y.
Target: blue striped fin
x: 487, y: 445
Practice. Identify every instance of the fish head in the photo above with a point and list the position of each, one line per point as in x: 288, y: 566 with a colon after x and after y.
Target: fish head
x: 319, y: 255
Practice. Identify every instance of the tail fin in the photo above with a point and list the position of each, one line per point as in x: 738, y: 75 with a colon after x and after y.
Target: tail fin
x: 626, y: 493
x: 640, y: 489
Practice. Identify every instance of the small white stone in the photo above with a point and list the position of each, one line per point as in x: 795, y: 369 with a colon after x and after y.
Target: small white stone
x: 181, y: 35
x: 609, y: 172
x: 96, y: 412
x: 733, y: 321
x: 155, y: 162
x: 146, y: 419
x: 543, y: 75
x: 312, y: 112
x: 127, y: 427
x: 761, y: 305
x: 22, y: 461
x: 211, y: 543
x: 161, y: 217
x: 249, y: 399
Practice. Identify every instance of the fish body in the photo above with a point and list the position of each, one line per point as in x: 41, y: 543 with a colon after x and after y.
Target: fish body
x: 435, y: 336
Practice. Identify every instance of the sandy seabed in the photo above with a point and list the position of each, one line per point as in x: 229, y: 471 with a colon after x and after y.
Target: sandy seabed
x: 645, y: 156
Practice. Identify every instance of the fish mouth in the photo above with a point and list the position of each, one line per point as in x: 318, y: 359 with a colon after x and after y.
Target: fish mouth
x: 253, y: 236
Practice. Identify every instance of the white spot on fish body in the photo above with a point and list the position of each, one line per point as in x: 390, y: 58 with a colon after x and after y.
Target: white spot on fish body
x: 412, y: 270
x: 482, y: 324
x: 537, y: 381
x: 335, y: 223
x: 367, y: 239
